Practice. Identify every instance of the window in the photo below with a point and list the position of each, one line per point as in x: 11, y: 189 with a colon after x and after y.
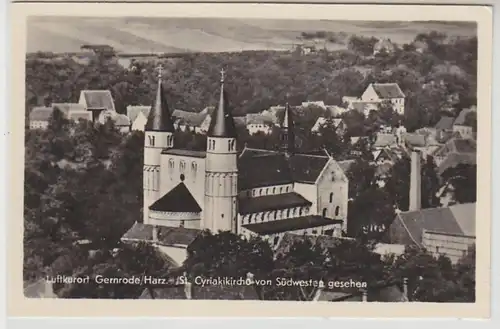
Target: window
x: 337, y: 210
x: 182, y: 166
x: 281, y: 189
x: 182, y: 223
x: 171, y: 164
x: 253, y: 192
x: 274, y: 215
x: 300, y: 211
x: 194, y: 166
x: 324, y: 212
x: 274, y: 190
x: 331, y: 197
x: 151, y: 140
x: 229, y: 145
x: 276, y: 240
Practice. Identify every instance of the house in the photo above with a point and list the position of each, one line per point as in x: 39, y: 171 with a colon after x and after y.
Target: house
x: 138, y: 116
x: 336, y: 124
x: 256, y: 123
x: 363, y: 107
x: 172, y: 241
x: 189, y: 121
x: 444, y: 230
x: 380, y: 92
x: 39, y: 117
x: 320, y: 104
x: 98, y: 102
x: 461, y: 125
x: 385, y: 140
x: 384, y: 46
x: 39, y: 289
x: 122, y: 123
x: 445, y: 124
x: 454, y: 152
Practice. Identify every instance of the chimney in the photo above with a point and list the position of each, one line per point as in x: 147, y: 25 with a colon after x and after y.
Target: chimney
x: 405, y: 289
x: 365, y: 295
x: 188, y: 290
x: 415, y: 182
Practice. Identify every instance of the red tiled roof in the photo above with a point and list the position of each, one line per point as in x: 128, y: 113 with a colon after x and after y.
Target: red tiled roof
x: 272, y: 202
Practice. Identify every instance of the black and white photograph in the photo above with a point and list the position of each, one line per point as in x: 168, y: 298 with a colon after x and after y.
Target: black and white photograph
x: 258, y: 159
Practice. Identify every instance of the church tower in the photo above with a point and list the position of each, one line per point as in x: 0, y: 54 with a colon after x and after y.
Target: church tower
x: 287, y: 132
x: 159, y: 135
x: 221, y: 177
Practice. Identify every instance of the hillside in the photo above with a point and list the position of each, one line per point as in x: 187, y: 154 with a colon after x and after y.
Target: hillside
x: 139, y: 34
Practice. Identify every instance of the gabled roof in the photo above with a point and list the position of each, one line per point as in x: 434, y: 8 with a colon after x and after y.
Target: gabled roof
x: 442, y: 220
x: 178, y: 199
x: 307, y: 168
x: 191, y: 119
x: 98, y: 99
x: 263, y: 170
x: 40, y: 113
x: 139, y: 231
x: 290, y: 224
x: 445, y: 123
x: 388, y: 90
x: 134, y: 110
x: 169, y: 236
x: 84, y: 115
x: 272, y: 202
x: 460, y: 120
x: 121, y: 120
x: 415, y: 140
x: 385, y: 140
x: 258, y: 119
x: 69, y: 107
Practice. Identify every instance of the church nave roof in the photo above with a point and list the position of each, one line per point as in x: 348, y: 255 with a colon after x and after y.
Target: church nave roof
x: 272, y: 202
x: 290, y: 224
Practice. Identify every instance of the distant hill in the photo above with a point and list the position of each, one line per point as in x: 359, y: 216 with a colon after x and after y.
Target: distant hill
x: 172, y: 35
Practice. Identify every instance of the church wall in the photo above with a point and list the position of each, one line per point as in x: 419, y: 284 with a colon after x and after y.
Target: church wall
x: 310, y: 192
x: 273, y: 215
x: 268, y: 190
x: 273, y: 239
x: 178, y: 254
x: 193, y: 169
x: 170, y: 219
x: 332, y: 193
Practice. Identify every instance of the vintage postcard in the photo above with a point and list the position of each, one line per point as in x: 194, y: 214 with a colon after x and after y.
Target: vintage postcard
x: 250, y: 160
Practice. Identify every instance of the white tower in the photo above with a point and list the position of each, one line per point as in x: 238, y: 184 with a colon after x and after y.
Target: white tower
x: 221, y: 177
x: 159, y: 135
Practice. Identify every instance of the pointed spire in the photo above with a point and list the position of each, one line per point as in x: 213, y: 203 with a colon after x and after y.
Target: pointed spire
x: 159, y: 118
x: 287, y: 131
x: 222, y: 123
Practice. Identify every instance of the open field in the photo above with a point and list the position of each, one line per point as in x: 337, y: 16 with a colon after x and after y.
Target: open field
x: 140, y: 34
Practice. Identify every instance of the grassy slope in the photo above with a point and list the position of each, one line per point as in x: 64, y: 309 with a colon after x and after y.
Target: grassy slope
x: 61, y: 34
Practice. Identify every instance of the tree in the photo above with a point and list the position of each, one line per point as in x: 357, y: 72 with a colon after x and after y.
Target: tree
x: 463, y: 178
x: 361, y: 175
x: 361, y: 44
x: 228, y: 255
x: 430, y: 183
x: 304, y: 261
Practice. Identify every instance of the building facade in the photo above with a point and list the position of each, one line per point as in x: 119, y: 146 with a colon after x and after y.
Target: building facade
x: 249, y: 192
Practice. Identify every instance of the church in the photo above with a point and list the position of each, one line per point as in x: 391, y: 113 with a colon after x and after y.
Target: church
x: 248, y: 192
